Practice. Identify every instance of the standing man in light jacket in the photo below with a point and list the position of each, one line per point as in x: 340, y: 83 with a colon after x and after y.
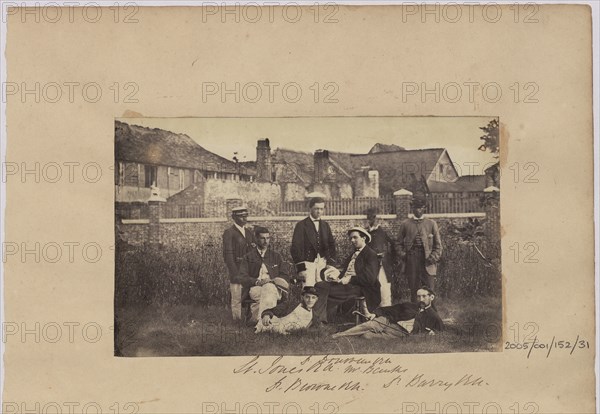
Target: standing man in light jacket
x: 313, y: 246
x: 237, y: 241
x: 420, y: 246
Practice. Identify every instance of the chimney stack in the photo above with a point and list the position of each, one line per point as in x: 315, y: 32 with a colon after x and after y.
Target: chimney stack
x: 321, y: 162
x: 264, y: 165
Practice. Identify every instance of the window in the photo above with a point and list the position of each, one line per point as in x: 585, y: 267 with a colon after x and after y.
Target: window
x: 150, y: 174
x: 181, y: 178
x: 130, y: 174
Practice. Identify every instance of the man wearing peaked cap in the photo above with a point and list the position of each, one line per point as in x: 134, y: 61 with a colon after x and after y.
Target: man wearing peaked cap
x: 420, y: 246
x: 358, y: 278
x: 237, y: 240
x: 280, y: 321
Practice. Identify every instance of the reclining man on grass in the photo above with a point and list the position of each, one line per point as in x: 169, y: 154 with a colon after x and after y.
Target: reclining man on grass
x: 384, y: 323
x: 279, y: 321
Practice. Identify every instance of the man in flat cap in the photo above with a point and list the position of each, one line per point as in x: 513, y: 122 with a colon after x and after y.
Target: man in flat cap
x: 261, y: 271
x: 420, y: 246
x: 237, y: 241
x: 358, y: 278
x: 313, y: 246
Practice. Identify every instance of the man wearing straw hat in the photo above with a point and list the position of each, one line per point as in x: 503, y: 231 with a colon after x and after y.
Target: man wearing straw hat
x: 237, y: 240
x: 359, y: 278
x: 420, y: 246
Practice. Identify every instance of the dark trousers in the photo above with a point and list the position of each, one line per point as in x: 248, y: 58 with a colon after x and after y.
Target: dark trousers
x: 415, y: 272
x: 331, y: 295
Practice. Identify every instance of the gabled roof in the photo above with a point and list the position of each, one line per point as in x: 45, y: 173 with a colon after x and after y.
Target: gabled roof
x: 155, y: 146
x: 466, y: 183
x: 396, y: 168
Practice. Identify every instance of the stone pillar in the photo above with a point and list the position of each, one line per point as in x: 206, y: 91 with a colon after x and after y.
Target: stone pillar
x: 402, y: 199
x: 491, y: 202
x: 154, y: 212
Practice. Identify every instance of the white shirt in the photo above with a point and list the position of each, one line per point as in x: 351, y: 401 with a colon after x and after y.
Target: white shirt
x: 315, y: 222
x: 241, y: 229
x: 351, y: 271
x: 263, y: 273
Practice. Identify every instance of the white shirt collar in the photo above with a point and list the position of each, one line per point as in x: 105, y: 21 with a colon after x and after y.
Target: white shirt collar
x: 261, y: 252
x: 412, y: 216
x: 241, y: 229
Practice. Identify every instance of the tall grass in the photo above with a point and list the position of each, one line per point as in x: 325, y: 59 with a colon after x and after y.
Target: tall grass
x: 146, y: 275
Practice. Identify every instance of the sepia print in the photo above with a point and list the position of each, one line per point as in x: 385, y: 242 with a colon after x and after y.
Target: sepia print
x: 339, y: 235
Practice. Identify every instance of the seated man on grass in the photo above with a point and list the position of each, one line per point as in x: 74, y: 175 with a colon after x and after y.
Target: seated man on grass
x: 259, y: 269
x: 276, y: 320
x: 358, y: 278
x: 385, y: 322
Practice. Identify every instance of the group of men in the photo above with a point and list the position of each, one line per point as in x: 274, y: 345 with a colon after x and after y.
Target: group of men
x: 257, y: 272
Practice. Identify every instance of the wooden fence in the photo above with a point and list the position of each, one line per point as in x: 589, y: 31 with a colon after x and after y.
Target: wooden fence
x: 341, y: 207
x: 438, y: 203
x: 467, y: 202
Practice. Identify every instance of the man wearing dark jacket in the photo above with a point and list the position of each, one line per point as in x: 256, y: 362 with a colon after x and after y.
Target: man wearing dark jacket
x: 237, y: 240
x: 259, y: 268
x: 384, y: 322
x: 358, y: 278
x: 313, y: 246
x: 420, y: 246
x: 385, y: 248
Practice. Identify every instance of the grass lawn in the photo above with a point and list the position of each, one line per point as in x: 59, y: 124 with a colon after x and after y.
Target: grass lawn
x: 472, y: 325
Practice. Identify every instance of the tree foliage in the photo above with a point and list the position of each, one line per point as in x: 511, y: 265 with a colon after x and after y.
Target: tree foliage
x: 491, y: 140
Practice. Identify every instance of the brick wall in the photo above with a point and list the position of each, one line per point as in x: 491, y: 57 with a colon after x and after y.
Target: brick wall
x: 192, y: 234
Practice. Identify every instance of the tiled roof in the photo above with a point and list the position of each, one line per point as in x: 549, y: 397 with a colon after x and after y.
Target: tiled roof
x: 159, y: 147
x: 302, y: 163
x: 385, y: 148
x: 396, y: 168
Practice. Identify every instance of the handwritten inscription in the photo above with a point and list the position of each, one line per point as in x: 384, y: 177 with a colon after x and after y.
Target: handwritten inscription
x: 420, y: 381
x: 293, y: 376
